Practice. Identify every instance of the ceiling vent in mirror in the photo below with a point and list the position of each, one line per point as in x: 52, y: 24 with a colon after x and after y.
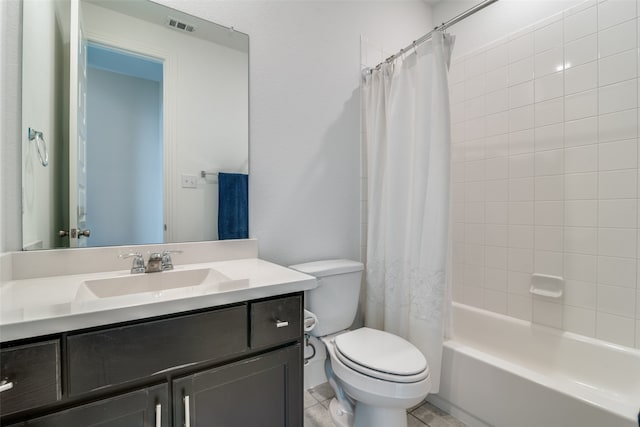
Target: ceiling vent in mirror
x: 179, y: 25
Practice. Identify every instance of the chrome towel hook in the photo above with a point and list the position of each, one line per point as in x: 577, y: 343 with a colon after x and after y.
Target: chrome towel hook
x: 41, y: 146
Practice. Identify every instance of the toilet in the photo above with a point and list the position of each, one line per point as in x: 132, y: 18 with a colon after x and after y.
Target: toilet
x: 376, y: 375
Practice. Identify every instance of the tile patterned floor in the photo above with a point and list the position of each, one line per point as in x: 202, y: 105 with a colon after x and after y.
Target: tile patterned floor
x: 316, y: 414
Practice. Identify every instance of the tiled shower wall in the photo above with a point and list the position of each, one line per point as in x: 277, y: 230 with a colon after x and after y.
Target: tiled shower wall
x: 545, y: 171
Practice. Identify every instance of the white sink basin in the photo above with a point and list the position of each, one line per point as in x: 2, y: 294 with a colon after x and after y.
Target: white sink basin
x: 155, y: 283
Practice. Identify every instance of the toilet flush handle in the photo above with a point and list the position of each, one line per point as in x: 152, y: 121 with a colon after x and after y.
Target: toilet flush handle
x: 281, y: 323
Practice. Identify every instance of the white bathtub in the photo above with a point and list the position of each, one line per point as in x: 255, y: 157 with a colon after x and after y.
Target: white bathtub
x: 501, y: 371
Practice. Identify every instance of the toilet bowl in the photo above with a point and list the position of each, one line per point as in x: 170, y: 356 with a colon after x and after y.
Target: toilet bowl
x: 381, y: 392
x: 376, y: 375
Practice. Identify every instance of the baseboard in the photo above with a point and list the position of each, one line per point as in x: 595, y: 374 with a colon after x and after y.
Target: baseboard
x: 457, y: 412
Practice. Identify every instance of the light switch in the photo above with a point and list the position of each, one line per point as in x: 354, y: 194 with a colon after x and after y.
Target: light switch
x: 189, y: 181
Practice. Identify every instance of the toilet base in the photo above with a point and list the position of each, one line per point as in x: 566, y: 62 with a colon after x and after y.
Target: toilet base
x: 339, y: 417
x: 376, y: 416
x: 367, y: 416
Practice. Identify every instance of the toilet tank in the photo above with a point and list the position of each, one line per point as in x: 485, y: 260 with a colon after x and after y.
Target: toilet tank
x: 335, y: 300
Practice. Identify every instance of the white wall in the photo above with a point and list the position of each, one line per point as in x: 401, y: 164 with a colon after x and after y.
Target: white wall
x: 304, y: 108
x: 41, y: 203
x: 545, y: 165
x: 10, y: 158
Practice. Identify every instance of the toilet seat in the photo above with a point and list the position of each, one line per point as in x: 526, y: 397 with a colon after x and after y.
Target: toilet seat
x: 381, y: 355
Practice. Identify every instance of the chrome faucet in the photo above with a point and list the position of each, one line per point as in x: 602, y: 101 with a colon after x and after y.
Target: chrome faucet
x: 154, y: 265
x: 137, y: 266
x: 158, y: 261
x: 167, y: 263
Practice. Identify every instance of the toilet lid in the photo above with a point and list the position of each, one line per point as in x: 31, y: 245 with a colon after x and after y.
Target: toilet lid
x: 381, y: 355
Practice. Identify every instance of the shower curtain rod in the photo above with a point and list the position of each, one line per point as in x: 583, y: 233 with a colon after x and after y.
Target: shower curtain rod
x: 443, y: 26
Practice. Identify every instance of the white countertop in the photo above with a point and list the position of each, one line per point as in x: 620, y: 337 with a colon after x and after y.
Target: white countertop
x: 44, y: 305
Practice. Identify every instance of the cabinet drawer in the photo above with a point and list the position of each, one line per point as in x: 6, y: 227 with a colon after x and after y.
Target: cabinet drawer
x: 276, y: 321
x: 112, y: 356
x: 141, y: 408
x: 34, y: 370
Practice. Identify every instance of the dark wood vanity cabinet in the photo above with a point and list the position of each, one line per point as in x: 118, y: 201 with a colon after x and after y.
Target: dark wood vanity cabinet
x: 119, y: 354
x: 259, y: 391
x: 275, y: 321
x: 33, y: 372
x: 238, y: 365
x: 148, y: 407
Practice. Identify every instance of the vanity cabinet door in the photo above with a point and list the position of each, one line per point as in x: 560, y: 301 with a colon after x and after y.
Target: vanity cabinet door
x: 33, y: 372
x: 142, y: 408
x: 265, y: 391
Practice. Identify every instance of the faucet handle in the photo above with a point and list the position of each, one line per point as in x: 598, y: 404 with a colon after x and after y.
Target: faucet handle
x: 171, y: 252
x: 129, y: 255
x: 167, y: 263
x: 137, y: 266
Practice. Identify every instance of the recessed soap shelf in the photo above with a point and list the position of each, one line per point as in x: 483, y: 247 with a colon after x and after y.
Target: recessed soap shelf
x: 546, y: 285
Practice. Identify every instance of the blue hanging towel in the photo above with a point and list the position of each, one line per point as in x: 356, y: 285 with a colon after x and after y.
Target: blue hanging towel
x: 233, y: 206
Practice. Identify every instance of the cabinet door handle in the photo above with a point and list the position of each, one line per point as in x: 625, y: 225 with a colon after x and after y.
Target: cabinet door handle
x: 281, y: 323
x: 187, y: 415
x: 158, y: 415
x: 5, y: 385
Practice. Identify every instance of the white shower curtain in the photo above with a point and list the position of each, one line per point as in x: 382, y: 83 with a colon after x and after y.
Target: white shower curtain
x: 408, y: 136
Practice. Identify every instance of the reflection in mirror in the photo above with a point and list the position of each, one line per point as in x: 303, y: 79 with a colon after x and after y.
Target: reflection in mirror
x: 122, y: 85
x: 134, y: 101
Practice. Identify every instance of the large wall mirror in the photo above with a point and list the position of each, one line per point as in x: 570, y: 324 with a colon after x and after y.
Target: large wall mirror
x: 130, y: 110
